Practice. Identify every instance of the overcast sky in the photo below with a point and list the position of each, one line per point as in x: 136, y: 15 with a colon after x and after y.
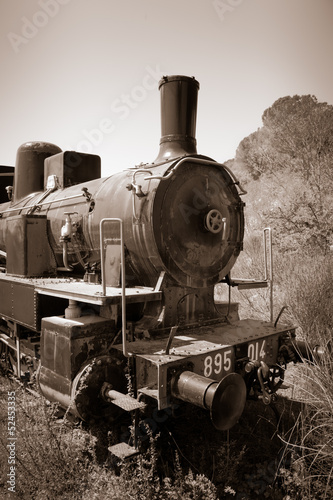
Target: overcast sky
x: 83, y: 74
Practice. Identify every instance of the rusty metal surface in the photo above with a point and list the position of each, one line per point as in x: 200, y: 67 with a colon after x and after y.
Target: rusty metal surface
x: 18, y: 302
x: 71, y: 167
x: 92, y: 293
x: 54, y: 387
x: 208, y: 351
x: 76, y: 289
x: 88, y: 383
x: 67, y: 343
x: 29, y: 167
x: 124, y: 401
x: 28, y: 250
x: 208, y: 338
x: 193, y: 255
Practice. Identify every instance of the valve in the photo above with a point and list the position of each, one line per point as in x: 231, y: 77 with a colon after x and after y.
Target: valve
x: 68, y: 228
x: 9, y: 190
x: 214, y: 221
x: 137, y: 190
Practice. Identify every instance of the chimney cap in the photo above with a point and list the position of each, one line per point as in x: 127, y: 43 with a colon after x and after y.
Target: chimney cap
x: 172, y: 78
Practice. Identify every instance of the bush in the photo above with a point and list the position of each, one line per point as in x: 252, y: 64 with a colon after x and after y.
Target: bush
x: 310, y: 296
x: 307, y: 286
x: 310, y: 442
x: 303, y: 282
x: 51, y: 460
x: 56, y: 459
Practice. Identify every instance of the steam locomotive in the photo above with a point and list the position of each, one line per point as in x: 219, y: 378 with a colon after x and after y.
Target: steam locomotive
x: 107, y: 281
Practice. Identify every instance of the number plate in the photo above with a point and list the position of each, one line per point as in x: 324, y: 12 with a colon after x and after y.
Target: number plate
x: 256, y: 350
x: 218, y: 364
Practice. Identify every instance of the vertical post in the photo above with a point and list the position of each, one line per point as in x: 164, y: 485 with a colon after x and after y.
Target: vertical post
x: 269, y: 266
x: 122, y: 271
x: 101, y: 244
x: 123, y: 291
x: 18, y: 350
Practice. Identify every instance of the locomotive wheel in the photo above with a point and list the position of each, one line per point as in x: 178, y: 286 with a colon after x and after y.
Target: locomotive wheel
x: 6, y: 360
x: 87, y: 400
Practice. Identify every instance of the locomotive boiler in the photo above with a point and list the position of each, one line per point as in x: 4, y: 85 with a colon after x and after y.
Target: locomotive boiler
x: 111, y: 280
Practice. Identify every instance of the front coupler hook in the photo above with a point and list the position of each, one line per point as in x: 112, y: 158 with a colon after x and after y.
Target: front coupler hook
x: 263, y: 375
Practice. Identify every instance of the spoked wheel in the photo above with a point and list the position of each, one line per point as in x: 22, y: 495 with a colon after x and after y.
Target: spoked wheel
x: 88, y: 402
x: 7, y: 360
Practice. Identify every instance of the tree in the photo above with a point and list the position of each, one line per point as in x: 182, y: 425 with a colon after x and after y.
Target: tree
x: 292, y: 154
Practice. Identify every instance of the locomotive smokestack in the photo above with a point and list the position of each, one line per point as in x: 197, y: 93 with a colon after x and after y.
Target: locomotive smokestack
x: 179, y: 96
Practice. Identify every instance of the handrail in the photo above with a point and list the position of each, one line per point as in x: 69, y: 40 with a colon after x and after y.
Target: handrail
x: 268, y: 259
x: 39, y: 204
x: 244, y: 284
x: 122, y: 271
x: 201, y: 161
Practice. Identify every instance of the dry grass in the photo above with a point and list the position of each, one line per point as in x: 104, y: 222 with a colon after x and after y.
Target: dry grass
x: 303, y: 282
x: 309, y: 443
x: 56, y: 460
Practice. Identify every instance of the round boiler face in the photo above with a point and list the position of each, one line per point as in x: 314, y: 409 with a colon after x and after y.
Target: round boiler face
x: 198, y: 224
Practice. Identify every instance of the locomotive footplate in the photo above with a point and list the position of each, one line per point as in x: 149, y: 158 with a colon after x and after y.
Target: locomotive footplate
x: 92, y: 293
x: 210, y: 352
x: 25, y: 300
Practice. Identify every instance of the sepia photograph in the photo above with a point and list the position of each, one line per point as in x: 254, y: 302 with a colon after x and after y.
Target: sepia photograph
x: 166, y: 250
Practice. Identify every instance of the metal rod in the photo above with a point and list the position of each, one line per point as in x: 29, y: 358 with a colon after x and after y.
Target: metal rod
x: 101, y: 235
x: 170, y: 339
x: 18, y: 350
x: 66, y: 267
x: 42, y: 203
x: 201, y: 162
x: 269, y: 266
x: 123, y: 291
x: 7, y: 342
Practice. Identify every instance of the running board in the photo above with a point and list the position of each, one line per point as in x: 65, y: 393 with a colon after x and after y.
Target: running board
x: 124, y: 401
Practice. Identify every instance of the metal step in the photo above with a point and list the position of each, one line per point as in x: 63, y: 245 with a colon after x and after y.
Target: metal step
x: 123, y: 450
x: 124, y: 401
x: 152, y: 393
x: 243, y: 284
